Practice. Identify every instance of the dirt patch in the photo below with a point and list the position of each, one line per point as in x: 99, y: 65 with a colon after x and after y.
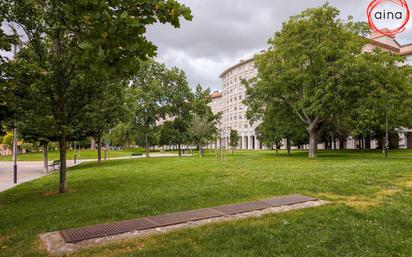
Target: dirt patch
x: 361, y: 202
x: 405, y: 181
x: 388, y: 192
x: 3, y: 238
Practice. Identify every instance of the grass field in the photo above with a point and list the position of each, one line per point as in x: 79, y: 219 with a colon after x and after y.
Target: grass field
x: 80, y: 155
x: 370, y: 214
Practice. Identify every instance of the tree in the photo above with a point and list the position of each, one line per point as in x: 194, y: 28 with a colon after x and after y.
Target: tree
x: 179, y: 107
x: 234, y: 139
x: 147, y: 99
x: 276, y: 121
x: 303, y: 66
x: 30, y: 114
x: 204, y: 123
x: 147, y: 139
x: 202, y: 131
x: 104, y: 113
x: 8, y: 139
x: 77, y: 41
x: 122, y: 135
x: 7, y: 41
x: 167, y: 134
x: 383, y: 99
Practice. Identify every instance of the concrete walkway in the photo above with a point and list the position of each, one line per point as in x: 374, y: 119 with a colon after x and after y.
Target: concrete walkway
x: 31, y: 170
x: 26, y: 171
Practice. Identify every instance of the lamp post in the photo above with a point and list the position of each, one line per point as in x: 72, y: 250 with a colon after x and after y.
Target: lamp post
x: 74, y: 154
x: 15, y: 155
x: 15, y: 131
x: 386, y: 134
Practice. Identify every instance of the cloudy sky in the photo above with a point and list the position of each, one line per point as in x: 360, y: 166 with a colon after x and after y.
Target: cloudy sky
x: 225, y: 31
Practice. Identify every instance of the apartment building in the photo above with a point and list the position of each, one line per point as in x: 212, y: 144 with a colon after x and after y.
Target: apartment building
x: 228, y: 101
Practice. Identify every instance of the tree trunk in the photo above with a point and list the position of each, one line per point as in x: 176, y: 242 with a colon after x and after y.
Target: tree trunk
x: 99, y: 150
x: 277, y: 148
x: 62, y: 145
x: 288, y: 145
x: 180, y: 149
x: 147, y: 146
x: 45, y: 158
x: 201, y: 150
x: 312, y: 142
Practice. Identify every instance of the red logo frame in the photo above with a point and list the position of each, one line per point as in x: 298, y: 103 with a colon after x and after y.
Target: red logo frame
x: 386, y: 31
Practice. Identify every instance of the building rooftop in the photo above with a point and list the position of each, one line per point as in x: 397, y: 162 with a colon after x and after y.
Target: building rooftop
x: 216, y: 94
x: 237, y: 65
x: 375, y: 38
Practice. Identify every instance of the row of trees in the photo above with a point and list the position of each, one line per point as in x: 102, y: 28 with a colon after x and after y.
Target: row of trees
x: 74, y: 59
x: 315, y: 81
x: 163, y: 110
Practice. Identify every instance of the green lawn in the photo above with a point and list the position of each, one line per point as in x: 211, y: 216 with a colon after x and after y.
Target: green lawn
x: 370, y: 214
x: 80, y: 155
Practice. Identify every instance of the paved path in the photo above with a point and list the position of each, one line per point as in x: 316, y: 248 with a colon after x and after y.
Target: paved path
x: 27, y: 171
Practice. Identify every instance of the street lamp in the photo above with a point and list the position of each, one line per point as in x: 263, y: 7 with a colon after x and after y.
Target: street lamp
x: 15, y: 155
x: 74, y: 153
x: 386, y: 134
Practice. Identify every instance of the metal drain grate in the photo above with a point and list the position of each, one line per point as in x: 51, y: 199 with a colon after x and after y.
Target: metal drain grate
x: 185, y: 216
x: 80, y: 234
x: 287, y: 200
x: 242, y: 207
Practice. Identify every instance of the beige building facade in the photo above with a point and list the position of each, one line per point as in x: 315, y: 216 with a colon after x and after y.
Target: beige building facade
x: 228, y: 101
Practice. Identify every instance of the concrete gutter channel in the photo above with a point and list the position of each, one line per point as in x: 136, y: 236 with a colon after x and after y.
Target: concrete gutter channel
x: 75, y: 239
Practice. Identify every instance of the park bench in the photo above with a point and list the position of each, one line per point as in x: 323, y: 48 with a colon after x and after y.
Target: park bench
x: 54, y: 164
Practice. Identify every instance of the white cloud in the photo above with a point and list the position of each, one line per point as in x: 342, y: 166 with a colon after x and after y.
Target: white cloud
x: 225, y: 31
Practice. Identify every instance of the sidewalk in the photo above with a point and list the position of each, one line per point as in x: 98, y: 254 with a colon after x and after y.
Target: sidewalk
x: 31, y: 170
x: 26, y: 171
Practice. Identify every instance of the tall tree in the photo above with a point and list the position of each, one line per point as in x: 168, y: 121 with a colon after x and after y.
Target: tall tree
x: 303, y: 67
x: 383, y: 99
x: 75, y: 41
x: 234, y: 139
x: 7, y: 41
x: 147, y: 99
x: 168, y: 134
x: 276, y: 121
x: 202, y: 130
x: 179, y: 103
x: 204, y: 122
x: 105, y: 112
